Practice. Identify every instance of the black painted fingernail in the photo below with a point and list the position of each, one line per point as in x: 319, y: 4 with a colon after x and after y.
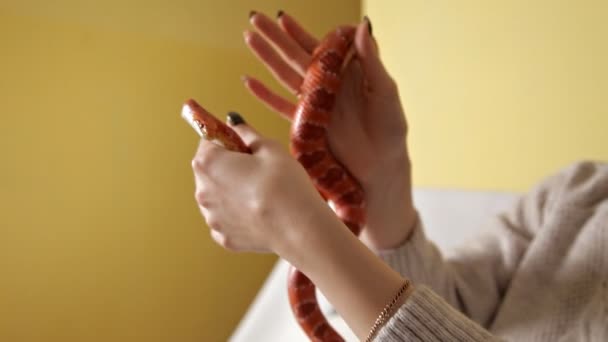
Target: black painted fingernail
x: 280, y: 14
x: 235, y: 119
x: 369, y: 24
x: 252, y: 13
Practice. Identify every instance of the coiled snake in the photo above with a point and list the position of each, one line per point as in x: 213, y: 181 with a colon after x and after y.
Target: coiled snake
x: 310, y: 146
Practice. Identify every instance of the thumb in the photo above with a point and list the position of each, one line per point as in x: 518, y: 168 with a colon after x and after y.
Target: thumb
x: 249, y: 135
x: 367, y: 52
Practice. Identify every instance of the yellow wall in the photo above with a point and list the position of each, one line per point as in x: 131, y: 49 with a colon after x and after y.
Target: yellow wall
x: 100, y: 239
x: 498, y: 93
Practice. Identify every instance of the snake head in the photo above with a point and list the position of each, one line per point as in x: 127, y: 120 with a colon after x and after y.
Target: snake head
x: 203, y: 122
x: 212, y: 129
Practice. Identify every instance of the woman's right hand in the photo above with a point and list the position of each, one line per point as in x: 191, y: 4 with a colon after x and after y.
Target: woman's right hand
x: 367, y: 129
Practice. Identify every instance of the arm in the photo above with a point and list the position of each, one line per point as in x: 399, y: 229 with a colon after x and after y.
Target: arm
x: 353, y: 279
x: 475, y: 277
x: 266, y: 215
x: 359, y: 285
x: 455, y: 295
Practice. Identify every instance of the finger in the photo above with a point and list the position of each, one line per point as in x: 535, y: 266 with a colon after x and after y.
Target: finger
x: 291, y: 51
x: 206, y: 153
x: 282, y: 71
x: 296, y: 32
x: 221, y: 239
x: 204, y: 213
x: 216, y: 169
x: 249, y: 135
x: 275, y: 102
x: 203, y: 167
x: 371, y: 34
x: 201, y: 194
x: 375, y: 72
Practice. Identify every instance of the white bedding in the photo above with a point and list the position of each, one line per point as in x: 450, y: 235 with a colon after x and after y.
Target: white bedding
x: 449, y: 216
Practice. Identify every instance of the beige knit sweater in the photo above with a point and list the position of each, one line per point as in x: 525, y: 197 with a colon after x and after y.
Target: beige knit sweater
x: 537, y: 273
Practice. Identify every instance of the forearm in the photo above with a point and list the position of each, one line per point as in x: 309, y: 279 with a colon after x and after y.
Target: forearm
x: 359, y: 285
x: 353, y: 279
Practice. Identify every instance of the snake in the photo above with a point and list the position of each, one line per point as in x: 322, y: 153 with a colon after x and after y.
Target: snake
x: 309, y: 145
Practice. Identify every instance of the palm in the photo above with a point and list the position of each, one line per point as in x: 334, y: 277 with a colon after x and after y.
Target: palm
x: 350, y: 132
x: 356, y: 132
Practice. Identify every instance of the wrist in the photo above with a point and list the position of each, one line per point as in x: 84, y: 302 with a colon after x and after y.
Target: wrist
x: 307, y: 231
x: 391, y: 233
x: 391, y: 215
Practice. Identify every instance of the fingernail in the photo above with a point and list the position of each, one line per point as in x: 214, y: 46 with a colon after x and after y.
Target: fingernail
x: 244, y: 78
x: 369, y: 24
x: 234, y: 119
x: 252, y: 13
x: 280, y: 14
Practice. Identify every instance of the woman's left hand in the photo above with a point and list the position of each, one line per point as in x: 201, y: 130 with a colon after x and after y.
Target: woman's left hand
x: 254, y: 202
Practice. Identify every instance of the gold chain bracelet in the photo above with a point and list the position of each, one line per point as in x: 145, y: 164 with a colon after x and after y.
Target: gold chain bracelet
x: 387, y: 311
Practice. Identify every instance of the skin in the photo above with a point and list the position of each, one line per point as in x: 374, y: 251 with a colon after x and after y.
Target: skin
x: 255, y: 202
x: 368, y: 119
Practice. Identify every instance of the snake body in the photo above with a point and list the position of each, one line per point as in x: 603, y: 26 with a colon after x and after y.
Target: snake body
x: 309, y: 145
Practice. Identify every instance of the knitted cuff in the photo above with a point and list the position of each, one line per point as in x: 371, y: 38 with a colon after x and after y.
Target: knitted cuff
x: 427, y: 317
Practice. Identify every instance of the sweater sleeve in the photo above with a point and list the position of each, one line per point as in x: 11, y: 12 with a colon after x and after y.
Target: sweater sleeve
x: 456, y: 297
x: 427, y: 317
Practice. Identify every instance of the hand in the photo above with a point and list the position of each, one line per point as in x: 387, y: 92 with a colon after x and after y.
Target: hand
x: 265, y: 202
x: 254, y: 202
x: 367, y: 130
